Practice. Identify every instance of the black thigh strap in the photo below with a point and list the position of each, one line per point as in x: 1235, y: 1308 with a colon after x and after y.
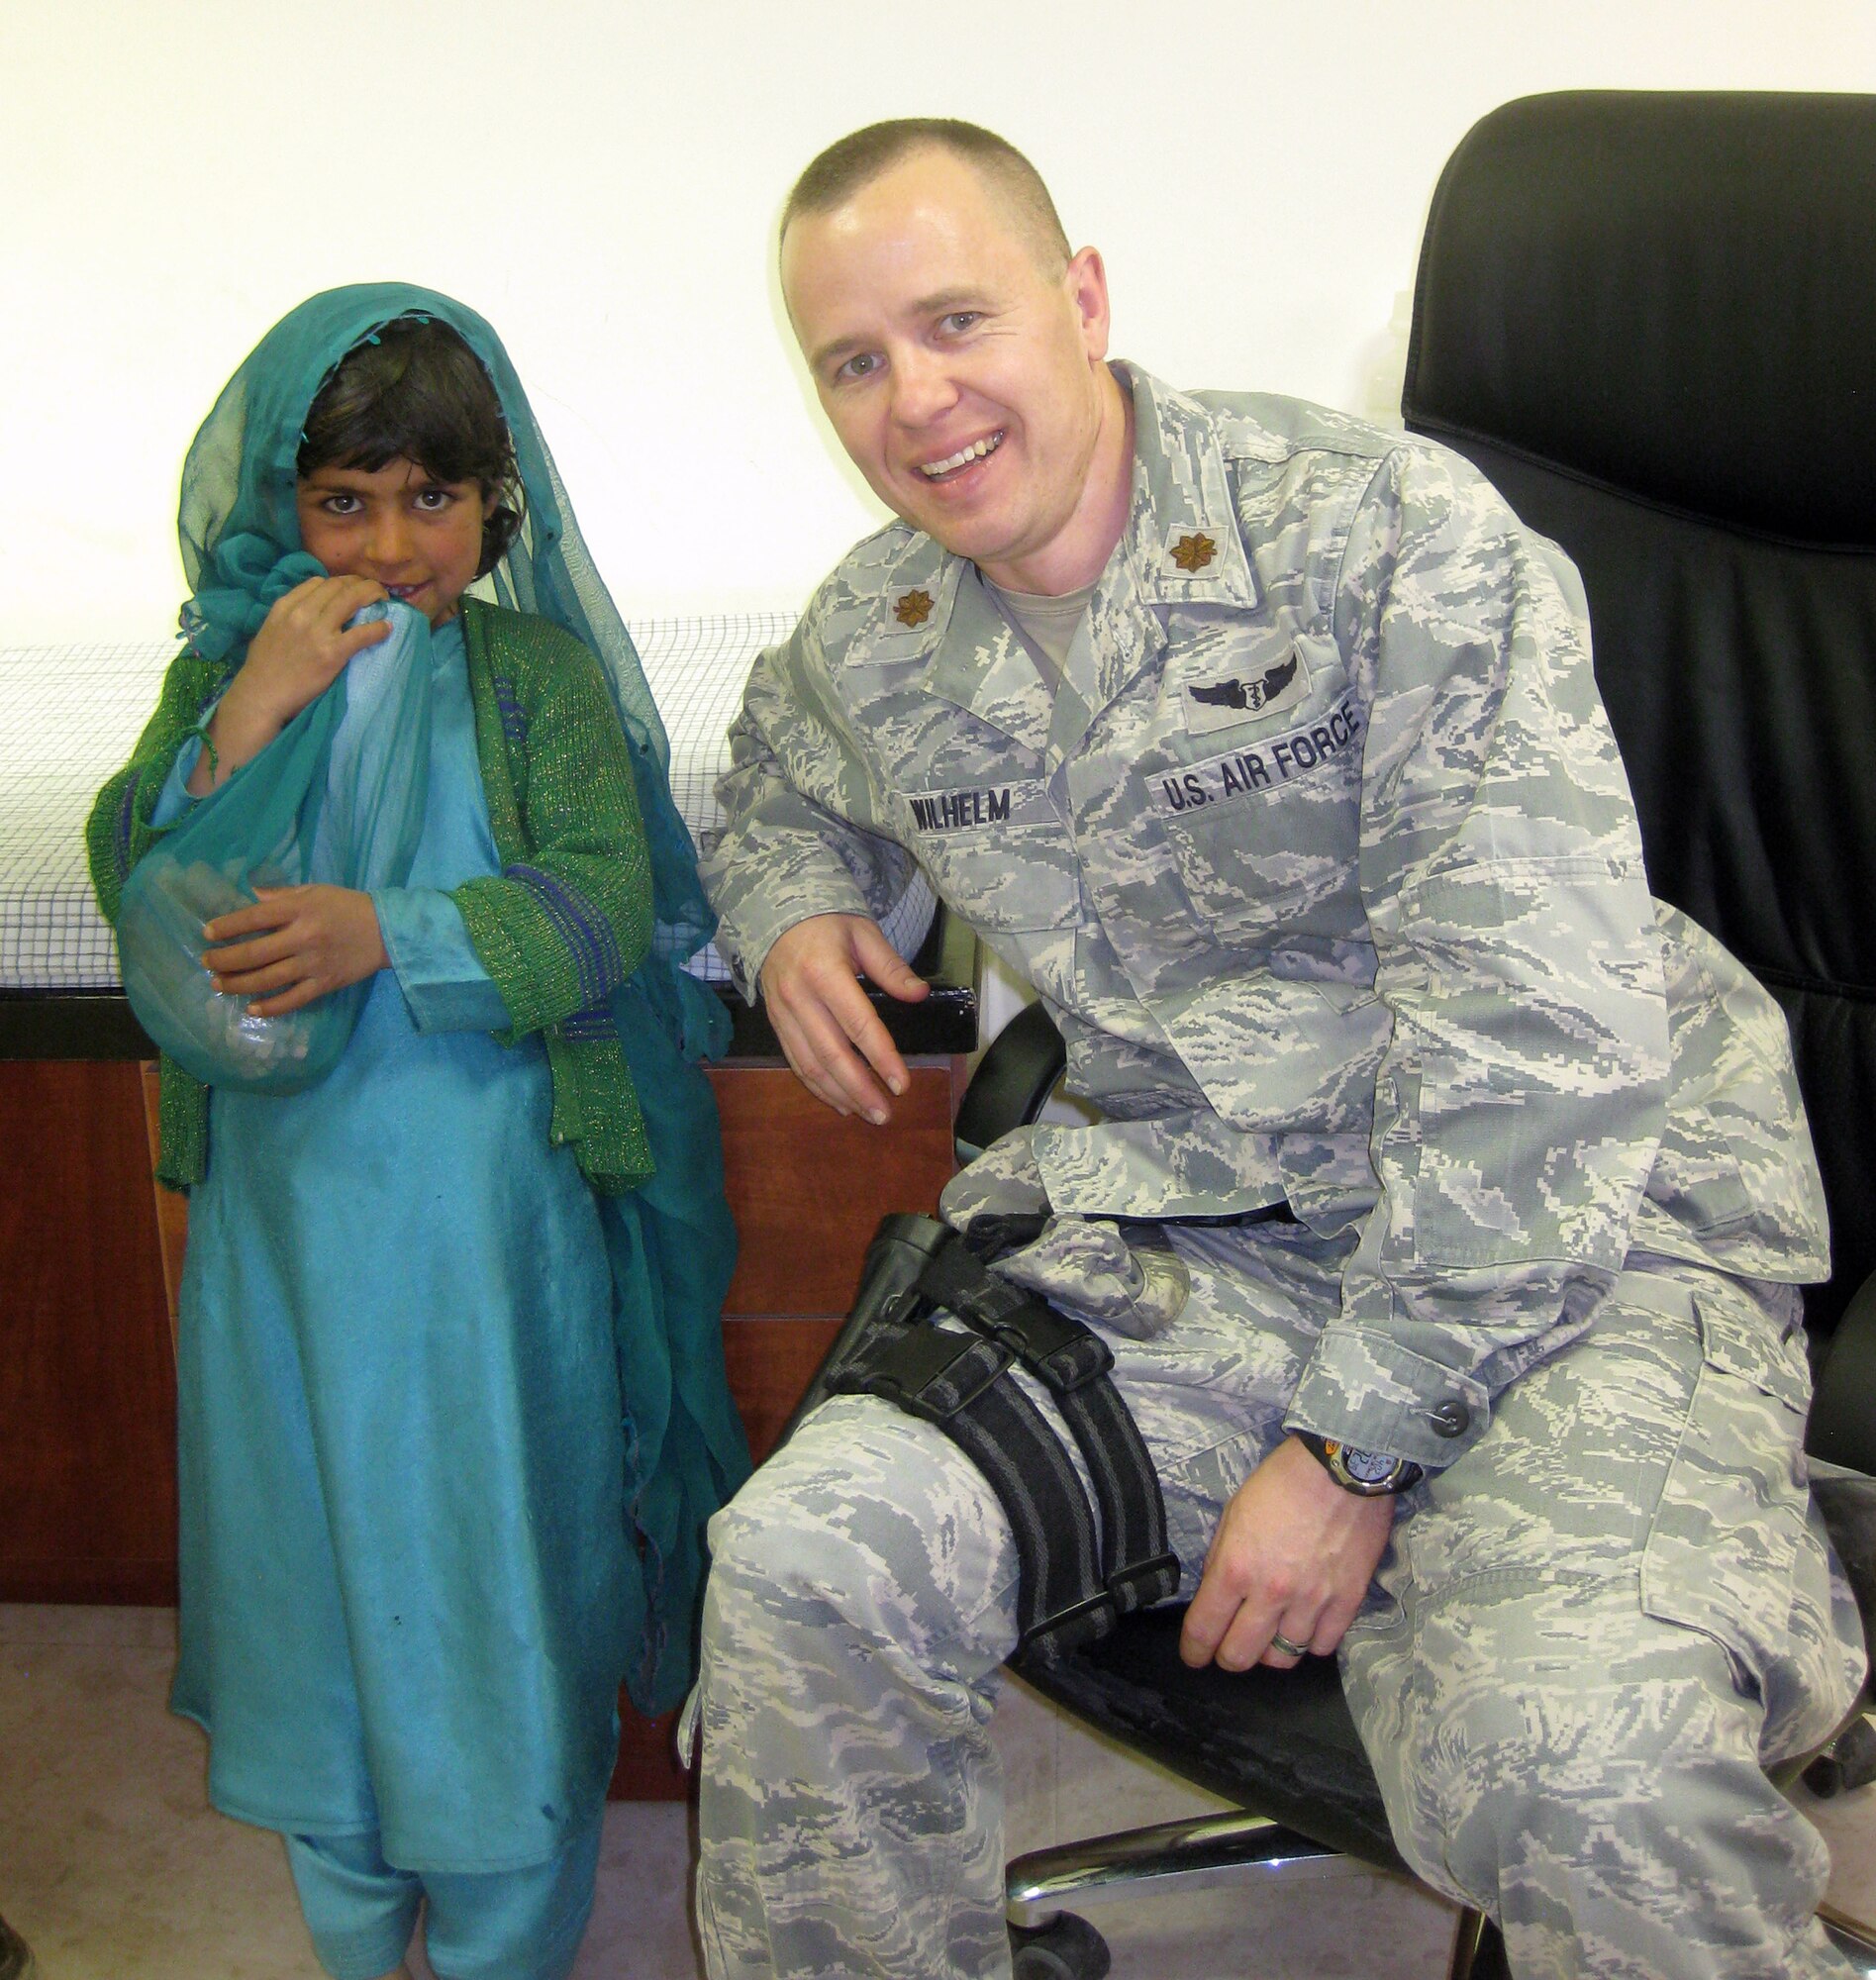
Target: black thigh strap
x: 1073, y: 1582
x: 951, y: 1379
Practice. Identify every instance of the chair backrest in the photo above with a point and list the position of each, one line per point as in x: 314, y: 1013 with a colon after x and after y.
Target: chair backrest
x: 1651, y: 319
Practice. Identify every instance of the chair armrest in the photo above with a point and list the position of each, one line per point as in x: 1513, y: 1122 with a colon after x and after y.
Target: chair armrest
x: 1012, y: 1083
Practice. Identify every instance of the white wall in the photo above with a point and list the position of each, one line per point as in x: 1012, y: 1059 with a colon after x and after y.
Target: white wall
x: 601, y: 178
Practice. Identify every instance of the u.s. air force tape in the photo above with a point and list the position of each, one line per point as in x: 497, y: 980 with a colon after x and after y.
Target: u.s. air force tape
x: 1271, y: 763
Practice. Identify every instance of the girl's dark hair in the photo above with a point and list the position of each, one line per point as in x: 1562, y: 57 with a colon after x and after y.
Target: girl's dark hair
x: 414, y: 391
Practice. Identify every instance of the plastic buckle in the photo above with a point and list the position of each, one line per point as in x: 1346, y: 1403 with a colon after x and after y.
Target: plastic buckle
x: 922, y: 1361
x: 899, y: 1308
x: 1061, y: 1351
x: 1142, y: 1583
x: 1069, y: 1629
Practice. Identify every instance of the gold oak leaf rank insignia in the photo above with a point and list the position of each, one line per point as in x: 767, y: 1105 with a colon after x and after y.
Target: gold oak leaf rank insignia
x: 914, y: 608
x: 1193, y: 552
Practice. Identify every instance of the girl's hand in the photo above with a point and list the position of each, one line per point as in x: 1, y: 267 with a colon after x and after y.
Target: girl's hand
x: 298, y: 944
x: 302, y: 648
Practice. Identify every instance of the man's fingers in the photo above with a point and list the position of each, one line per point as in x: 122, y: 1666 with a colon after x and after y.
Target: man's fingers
x: 884, y: 965
x: 826, y: 1022
x: 1208, y: 1618
x: 825, y: 1027
x: 853, y: 1008
x: 804, y: 1060
x: 843, y: 1033
x: 1237, y: 1638
x: 864, y: 1028
x: 1333, y: 1624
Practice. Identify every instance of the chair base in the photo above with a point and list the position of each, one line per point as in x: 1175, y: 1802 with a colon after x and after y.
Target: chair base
x: 1192, y: 1855
x: 1053, y: 1942
x: 1857, y: 1941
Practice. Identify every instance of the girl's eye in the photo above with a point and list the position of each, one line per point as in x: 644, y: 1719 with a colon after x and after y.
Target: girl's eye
x: 434, y: 499
x: 341, y: 505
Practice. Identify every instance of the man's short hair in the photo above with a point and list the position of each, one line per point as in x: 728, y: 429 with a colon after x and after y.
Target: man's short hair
x: 857, y: 159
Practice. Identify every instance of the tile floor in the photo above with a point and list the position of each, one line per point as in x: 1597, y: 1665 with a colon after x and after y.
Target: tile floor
x: 114, y: 1868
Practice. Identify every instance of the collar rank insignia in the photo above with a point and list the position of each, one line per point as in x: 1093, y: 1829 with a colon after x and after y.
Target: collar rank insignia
x: 914, y: 608
x: 1248, y: 695
x: 1192, y: 552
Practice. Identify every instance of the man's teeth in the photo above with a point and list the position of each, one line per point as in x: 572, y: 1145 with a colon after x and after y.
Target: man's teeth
x: 974, y: 452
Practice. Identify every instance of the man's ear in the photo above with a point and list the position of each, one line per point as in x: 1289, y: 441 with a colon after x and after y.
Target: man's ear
x: 1086, y: 280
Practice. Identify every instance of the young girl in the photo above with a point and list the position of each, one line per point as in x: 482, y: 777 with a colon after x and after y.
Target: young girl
x: 453, y: 1413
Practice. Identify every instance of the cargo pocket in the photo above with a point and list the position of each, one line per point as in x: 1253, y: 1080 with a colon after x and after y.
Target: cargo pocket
x: 1724, y: 1542
x: 1090, y: 1270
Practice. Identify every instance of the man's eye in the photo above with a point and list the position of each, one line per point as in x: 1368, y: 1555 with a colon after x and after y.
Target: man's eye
x: 963, y: 319
x: 863, y: 364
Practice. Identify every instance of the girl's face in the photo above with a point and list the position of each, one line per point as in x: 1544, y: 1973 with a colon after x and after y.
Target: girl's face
x: 399, y: 526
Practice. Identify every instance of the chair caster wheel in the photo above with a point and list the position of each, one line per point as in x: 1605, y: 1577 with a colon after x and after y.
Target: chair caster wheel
x: 1849, y: 1764
x: 1067, y: 1949
x: 16, y: 1956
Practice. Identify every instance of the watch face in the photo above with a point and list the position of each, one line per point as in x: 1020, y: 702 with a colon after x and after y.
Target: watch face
x: 1368, y: 1467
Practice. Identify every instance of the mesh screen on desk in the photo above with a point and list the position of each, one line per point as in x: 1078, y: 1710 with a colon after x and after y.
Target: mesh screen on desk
x: 75, y: 712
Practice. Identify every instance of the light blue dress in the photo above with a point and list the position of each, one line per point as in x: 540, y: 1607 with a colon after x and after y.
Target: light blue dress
x: 407, y: 1597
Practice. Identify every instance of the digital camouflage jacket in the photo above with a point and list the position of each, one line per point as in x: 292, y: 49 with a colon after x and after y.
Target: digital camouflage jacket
x: 1324, y: 859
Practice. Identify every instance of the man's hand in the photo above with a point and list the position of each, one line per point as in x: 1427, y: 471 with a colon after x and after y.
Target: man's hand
x: 302, y: 648
x: 298, y: 944
x: 824, y: 1020
x: 1293, y: 1555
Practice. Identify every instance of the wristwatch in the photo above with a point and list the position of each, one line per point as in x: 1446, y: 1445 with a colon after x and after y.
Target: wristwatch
x: 1366, y: 1473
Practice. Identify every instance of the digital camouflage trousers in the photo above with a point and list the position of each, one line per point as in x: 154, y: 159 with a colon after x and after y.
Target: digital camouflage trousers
x: 1587, y: 1640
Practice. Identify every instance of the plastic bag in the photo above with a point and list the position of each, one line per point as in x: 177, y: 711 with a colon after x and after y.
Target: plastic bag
x: 337, y: 796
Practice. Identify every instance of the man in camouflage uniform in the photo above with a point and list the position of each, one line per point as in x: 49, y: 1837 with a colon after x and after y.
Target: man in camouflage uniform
x: 1311, y: 833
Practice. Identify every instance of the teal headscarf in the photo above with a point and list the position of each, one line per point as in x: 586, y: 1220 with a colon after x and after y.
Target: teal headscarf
x: 671, y: 1239
x: 239, y: 534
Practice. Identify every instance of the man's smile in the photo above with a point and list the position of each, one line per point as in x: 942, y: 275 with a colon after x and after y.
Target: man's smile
x: 978, y: 450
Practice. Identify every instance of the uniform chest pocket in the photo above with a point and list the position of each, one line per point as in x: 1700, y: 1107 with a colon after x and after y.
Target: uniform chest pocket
x: 1265, y: 835
x: 1000, y: 854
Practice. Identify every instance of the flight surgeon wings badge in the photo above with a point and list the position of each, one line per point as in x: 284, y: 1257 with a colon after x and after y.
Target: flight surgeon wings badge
x: 1238, y: 698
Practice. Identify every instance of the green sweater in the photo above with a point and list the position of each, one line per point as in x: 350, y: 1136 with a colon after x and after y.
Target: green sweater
x: 559, y: 929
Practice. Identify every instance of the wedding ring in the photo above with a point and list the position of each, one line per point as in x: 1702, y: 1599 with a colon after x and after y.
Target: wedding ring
x: 1281, y: 1644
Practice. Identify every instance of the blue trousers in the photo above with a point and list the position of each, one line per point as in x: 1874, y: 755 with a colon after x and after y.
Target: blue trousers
x: 481, y: 1925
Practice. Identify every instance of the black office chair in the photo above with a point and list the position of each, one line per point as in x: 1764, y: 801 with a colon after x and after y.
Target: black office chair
x: 1651, y: 319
